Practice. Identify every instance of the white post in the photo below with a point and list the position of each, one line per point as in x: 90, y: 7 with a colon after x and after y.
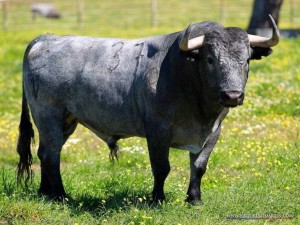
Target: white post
x: 4, y: 14
x: 292, y: 12
x: 222, y: 11
x: 154, y: 7
x: 79, y: 13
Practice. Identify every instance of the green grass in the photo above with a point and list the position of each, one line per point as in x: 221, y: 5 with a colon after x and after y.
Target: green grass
x: 254, y: 169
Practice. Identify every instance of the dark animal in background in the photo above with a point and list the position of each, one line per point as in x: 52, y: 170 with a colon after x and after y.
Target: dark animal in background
x: 44, y: 9
x: 174, y: 89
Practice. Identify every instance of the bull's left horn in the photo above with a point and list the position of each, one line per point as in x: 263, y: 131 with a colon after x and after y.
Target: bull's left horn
x: 189, y: 45
x: 258, y: 41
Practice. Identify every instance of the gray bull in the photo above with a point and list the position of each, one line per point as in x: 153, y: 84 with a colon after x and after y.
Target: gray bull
x: 175, y: 90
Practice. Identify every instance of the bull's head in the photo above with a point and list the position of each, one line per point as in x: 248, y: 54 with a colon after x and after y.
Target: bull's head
x: 224, y: 59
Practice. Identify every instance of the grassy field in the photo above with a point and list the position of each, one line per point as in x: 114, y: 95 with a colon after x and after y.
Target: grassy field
x: 254, y: 171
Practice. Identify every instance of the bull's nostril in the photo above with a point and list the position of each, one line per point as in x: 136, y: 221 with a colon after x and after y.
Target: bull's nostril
x: 231, y: 95
x: 232, y: 98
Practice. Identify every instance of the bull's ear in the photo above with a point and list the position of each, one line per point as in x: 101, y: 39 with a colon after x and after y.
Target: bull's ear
x: 258, y: 52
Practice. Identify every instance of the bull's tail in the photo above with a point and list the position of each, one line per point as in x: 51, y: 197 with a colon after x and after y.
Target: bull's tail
x: 26, y: 135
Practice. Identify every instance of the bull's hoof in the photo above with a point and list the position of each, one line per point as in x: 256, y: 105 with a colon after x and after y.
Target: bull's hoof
x: 157, y: 200
x: 60, y: 197
x: 193, y: 201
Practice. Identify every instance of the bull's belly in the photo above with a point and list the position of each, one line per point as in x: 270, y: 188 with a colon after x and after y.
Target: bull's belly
x: 192, y: 144
x: 103, y: 133
x: 191, y: 148
x: 106, y: 124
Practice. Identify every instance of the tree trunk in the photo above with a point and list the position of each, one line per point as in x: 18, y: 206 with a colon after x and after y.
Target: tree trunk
x: 260, y: 14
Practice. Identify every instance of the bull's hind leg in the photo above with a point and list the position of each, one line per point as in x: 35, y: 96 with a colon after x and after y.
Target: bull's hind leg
x: 54, y: 129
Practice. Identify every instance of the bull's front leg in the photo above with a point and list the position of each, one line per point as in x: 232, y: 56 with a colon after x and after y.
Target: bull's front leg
x: 158, y: 140
x: 198, y: 163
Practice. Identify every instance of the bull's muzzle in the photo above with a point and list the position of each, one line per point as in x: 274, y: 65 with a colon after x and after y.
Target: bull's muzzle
x: 232, y: 98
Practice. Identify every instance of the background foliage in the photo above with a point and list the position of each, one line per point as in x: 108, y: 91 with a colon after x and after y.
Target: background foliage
x: 254, y: 169
x: 120, y: 14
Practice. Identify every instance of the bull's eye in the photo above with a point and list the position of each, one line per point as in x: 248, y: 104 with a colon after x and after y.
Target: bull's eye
x: 210, y: 60
x: 242, y: 62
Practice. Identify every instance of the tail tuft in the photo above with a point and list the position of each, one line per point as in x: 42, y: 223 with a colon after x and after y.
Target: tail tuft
x: 26, y: 137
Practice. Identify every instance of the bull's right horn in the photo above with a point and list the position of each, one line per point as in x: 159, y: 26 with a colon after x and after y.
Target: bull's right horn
x: 189, y: 45
x: 258, y: 41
